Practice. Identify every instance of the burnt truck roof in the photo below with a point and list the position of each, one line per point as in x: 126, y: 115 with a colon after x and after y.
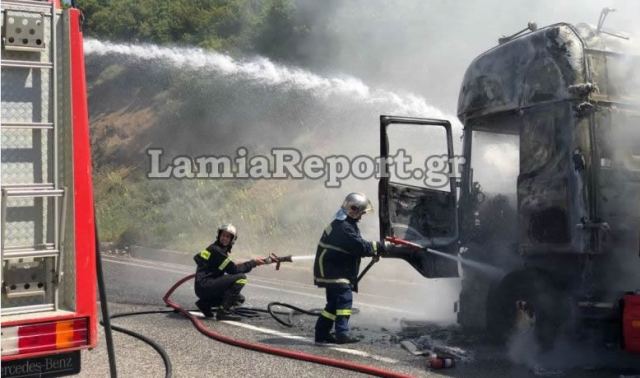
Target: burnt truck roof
x: 541, y: 66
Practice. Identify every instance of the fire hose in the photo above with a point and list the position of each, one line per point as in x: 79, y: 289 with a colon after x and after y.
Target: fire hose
x: 342, y: 364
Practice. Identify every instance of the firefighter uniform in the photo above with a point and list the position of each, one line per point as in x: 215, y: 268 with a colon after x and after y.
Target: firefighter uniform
x: 212, y: 286
x: 336, y: 268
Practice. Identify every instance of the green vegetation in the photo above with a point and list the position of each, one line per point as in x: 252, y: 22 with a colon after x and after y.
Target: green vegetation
x: 267, y: 27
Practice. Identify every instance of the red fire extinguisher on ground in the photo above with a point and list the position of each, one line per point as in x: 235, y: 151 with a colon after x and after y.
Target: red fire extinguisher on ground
x: 439, y: 362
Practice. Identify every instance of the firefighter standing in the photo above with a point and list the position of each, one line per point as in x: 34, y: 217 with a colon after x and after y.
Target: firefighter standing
x: 336, y: 268
x: 215, y: 288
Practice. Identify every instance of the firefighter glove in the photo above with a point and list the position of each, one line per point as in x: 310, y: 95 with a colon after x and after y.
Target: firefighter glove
x: 272, y: 258
x: 384, y: 247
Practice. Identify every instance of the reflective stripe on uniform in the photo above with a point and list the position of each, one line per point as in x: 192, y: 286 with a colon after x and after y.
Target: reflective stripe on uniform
x: 332, y: 280
x: 321, y: 262
x: 329, y: 246
x: 343, y: 312
x: 205, y: 254
x: 224, y: 263
x: 328, y: 315
x: 242, y: 281
x: 374, y: 245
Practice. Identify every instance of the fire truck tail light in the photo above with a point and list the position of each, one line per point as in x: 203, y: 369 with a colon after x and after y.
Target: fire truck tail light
x: 41, y: 337
x: 36, y: 337
x: 71, y: 333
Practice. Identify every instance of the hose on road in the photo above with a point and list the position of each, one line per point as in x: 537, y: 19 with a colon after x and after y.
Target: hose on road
x: 276, y: 315
x: 342, y: 364
x: 168, y: 367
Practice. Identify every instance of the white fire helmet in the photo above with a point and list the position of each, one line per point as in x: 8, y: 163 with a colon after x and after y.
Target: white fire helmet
x: 228, y: 227
x: 356, y: 204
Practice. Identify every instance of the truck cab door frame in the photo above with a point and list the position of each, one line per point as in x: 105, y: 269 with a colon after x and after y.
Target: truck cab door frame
x: 429, y: 200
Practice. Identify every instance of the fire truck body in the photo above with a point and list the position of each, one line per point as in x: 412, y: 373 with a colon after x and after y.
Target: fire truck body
x: 48, y: 245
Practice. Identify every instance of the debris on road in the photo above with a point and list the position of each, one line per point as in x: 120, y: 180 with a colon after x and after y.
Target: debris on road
x: 434, y: 341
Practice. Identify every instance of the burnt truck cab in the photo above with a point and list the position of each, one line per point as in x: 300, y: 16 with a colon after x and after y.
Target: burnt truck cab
x: 550, y: 186
x: 552, y: 134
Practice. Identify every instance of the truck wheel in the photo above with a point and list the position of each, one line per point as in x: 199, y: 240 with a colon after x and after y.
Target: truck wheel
x: 527, y: 299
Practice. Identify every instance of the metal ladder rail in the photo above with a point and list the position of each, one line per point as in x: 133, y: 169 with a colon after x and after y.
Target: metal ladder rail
x: 39, y: 189
x: 50, y: 249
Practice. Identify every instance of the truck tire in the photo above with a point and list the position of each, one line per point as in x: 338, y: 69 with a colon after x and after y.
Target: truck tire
x: 545, y: 300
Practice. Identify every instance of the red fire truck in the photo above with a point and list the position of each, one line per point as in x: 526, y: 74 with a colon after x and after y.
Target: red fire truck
x: 47, y: 225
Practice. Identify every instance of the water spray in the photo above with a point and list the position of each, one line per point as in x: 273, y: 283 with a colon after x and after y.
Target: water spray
x: 482, y: 267
x: 263, y: 71
x: 302, y: 258
x: 282, y: 259
x: 487, y: 269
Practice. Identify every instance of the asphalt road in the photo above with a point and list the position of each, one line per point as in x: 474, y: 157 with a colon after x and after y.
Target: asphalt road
x: 138, y: 285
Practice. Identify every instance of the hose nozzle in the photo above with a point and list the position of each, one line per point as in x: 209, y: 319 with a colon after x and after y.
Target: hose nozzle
x: 283, y: 259
x: 273, y: 258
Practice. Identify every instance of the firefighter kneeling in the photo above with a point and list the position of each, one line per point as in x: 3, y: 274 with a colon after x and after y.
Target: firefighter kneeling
x: 336, y: 267
x: 215, y: 288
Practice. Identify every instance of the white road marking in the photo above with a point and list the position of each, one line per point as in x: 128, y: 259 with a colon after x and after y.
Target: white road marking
x: 285, y: 335
x: 278, y: 289
x: 279, y: 281
x: 144, y: 266
x: 188, y: 268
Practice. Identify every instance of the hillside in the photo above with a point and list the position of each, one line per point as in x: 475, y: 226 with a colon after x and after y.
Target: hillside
x: 133, y: 108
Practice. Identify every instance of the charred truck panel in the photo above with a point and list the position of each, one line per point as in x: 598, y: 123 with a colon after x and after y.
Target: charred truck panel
x: 522, y: 89
x: 551, y: 192
x: 550, y: 188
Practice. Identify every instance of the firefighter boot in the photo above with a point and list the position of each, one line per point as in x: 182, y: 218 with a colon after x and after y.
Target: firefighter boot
x: 345, y: 338
x: 323, y: 328
x: 224, y: 314
x: 205, y: 309
x: 328, y: 339
x: 223, y: 311
x: 238, y: 300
